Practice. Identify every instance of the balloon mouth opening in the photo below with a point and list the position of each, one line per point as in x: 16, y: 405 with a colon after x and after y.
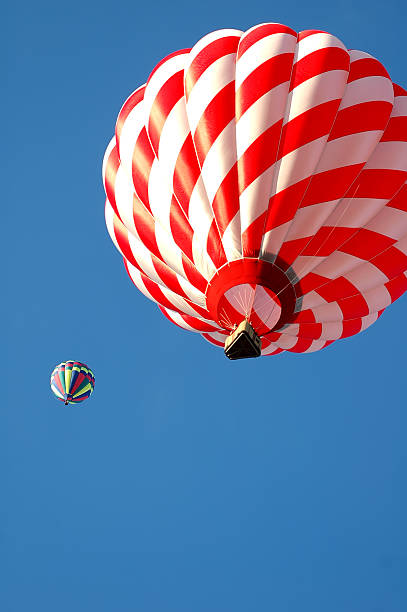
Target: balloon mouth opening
x: 251, y: 290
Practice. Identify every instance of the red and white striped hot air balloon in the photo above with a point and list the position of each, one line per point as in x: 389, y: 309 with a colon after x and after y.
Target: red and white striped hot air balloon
x: 256, y: 187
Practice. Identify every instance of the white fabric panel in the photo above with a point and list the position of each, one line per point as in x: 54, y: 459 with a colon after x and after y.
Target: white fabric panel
x: 178, y: 319
x: 206, y: 40
x: 231, y: 239
x: 309, y: 219
x: 315, y: 91
x: 170, y: 252
x: 220, y: 159
x: 266, y: 308
x: 368, y: 89
x: 292, y: 329
x: 260, y: 116
x: 270, y: 349
x: 219, y: 74
x: 192, y: 292
x: 160, y: 195
x: 219, y: 336
x: 316, y: 345
x: 304, y: 264
x: 156, y: 81
x: 366, y: 277
x: 109, y: 215
x: 261, y: 51
x: 349, y: 150
x: 109, y: 149
x: 312, y: 300
x: 377, y: 299
x: 400, y: 107
x: 124, y: 193
x: 328, y: 311
x: 389, y: 222
x: 354, y: 212
x: 200, y: 217
x: 254, y: 199
x: 178, y: 302
x: 130, y: 131
x: 337, y: 264
x: 317, y: 41
x: 298, y: 165
x: 286, y: 342
x: 391, y: 155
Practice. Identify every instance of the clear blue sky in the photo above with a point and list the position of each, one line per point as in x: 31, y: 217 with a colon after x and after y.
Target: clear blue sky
x: 187, y: 483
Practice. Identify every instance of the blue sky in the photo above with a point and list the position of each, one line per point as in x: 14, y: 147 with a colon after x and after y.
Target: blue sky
x: 187, y: 483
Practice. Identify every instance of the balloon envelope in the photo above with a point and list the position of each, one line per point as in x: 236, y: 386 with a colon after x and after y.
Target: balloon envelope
x: 261, y: 176
x: 72, y: 382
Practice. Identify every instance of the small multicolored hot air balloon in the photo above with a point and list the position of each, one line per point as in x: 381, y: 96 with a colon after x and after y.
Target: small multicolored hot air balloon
x: 72, y: 382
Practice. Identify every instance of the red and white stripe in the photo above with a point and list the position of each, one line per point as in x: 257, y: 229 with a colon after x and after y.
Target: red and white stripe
x: 210, y: 94
x: 318, y: 81
x: 263, y: 73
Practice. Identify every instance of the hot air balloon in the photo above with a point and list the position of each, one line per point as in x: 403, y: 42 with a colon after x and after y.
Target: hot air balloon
x: 72, y: 382
x: 256, y: 188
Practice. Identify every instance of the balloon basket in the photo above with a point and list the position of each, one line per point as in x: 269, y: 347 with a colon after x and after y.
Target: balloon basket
x: 243, y: 342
